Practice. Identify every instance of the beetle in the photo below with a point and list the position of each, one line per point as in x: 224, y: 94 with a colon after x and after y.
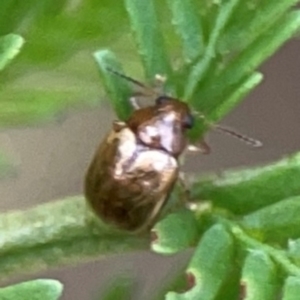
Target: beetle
x: 136, y: 165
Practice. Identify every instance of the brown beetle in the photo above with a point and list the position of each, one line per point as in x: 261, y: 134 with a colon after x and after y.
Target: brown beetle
x: 136, y: 166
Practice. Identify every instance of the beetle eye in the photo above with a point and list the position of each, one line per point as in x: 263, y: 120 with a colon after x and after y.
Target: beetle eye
x: 188, y: 121
x: 161, y: 99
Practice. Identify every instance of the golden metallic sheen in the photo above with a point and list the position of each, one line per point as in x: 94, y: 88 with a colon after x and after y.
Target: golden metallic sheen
x: 136, y: 165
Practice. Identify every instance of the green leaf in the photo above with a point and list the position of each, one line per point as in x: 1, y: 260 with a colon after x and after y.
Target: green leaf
x: 10, y: 46
x: 116, y: 86
x: 291, y: 289
x: 277, y: 222
x: 184, y: 224
x: 294, y: 250
x: 200, y: 68
x: 57, y: 233
x: 56, y: 70
x: 148, y: 37
x: 12, y: 14
x: 231, y: 286
x: 245, y: 191
x: 263, y: 47
x: 259, y: 277
x: 120, y: 288
x: 216, y: 88
x: 188, y: 26
x: 237, y: 95
x: 277, y: 255
x: 46, y: 289
x: 28, y: 105
x: 176, y: 281
x: 210, y: 265
x: 259, y: 16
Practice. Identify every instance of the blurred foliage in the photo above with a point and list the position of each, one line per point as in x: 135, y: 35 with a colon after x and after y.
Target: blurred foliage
x: 56, y: 70
x: 10, y: 46
x: 46, y: 289
x: 232, y: 39
x: 210, y: 55
x: 222, y: 45
x: 212, y: 46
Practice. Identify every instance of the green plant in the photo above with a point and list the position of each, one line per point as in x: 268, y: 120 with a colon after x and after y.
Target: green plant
x: 246, y: 238
x: 46, y: 289
x: 9, y: 47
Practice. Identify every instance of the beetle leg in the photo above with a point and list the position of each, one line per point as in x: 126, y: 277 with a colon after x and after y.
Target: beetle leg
x: 148, y: 92
x: 186, y: 198
x: 134, y: 103
x: 118, y: 125
x: 185, y: 191
x: 201, y: 146
x: 159, y: 82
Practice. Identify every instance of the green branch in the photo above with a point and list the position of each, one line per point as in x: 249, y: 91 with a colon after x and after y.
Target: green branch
x: 54, y: 234
x: 244, y: 191
x: 63, y: 232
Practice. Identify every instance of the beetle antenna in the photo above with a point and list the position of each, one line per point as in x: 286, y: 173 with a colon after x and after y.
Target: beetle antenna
x: 130, y: 79
x: 242, y: 137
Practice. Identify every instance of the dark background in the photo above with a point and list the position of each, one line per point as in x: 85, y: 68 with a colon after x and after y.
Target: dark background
x: 52, y: 160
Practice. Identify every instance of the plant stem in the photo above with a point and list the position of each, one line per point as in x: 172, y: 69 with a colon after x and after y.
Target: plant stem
x: 56, y: 233
x: 244, y: 191
x: 201, y: 67
x: 59, y: 232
